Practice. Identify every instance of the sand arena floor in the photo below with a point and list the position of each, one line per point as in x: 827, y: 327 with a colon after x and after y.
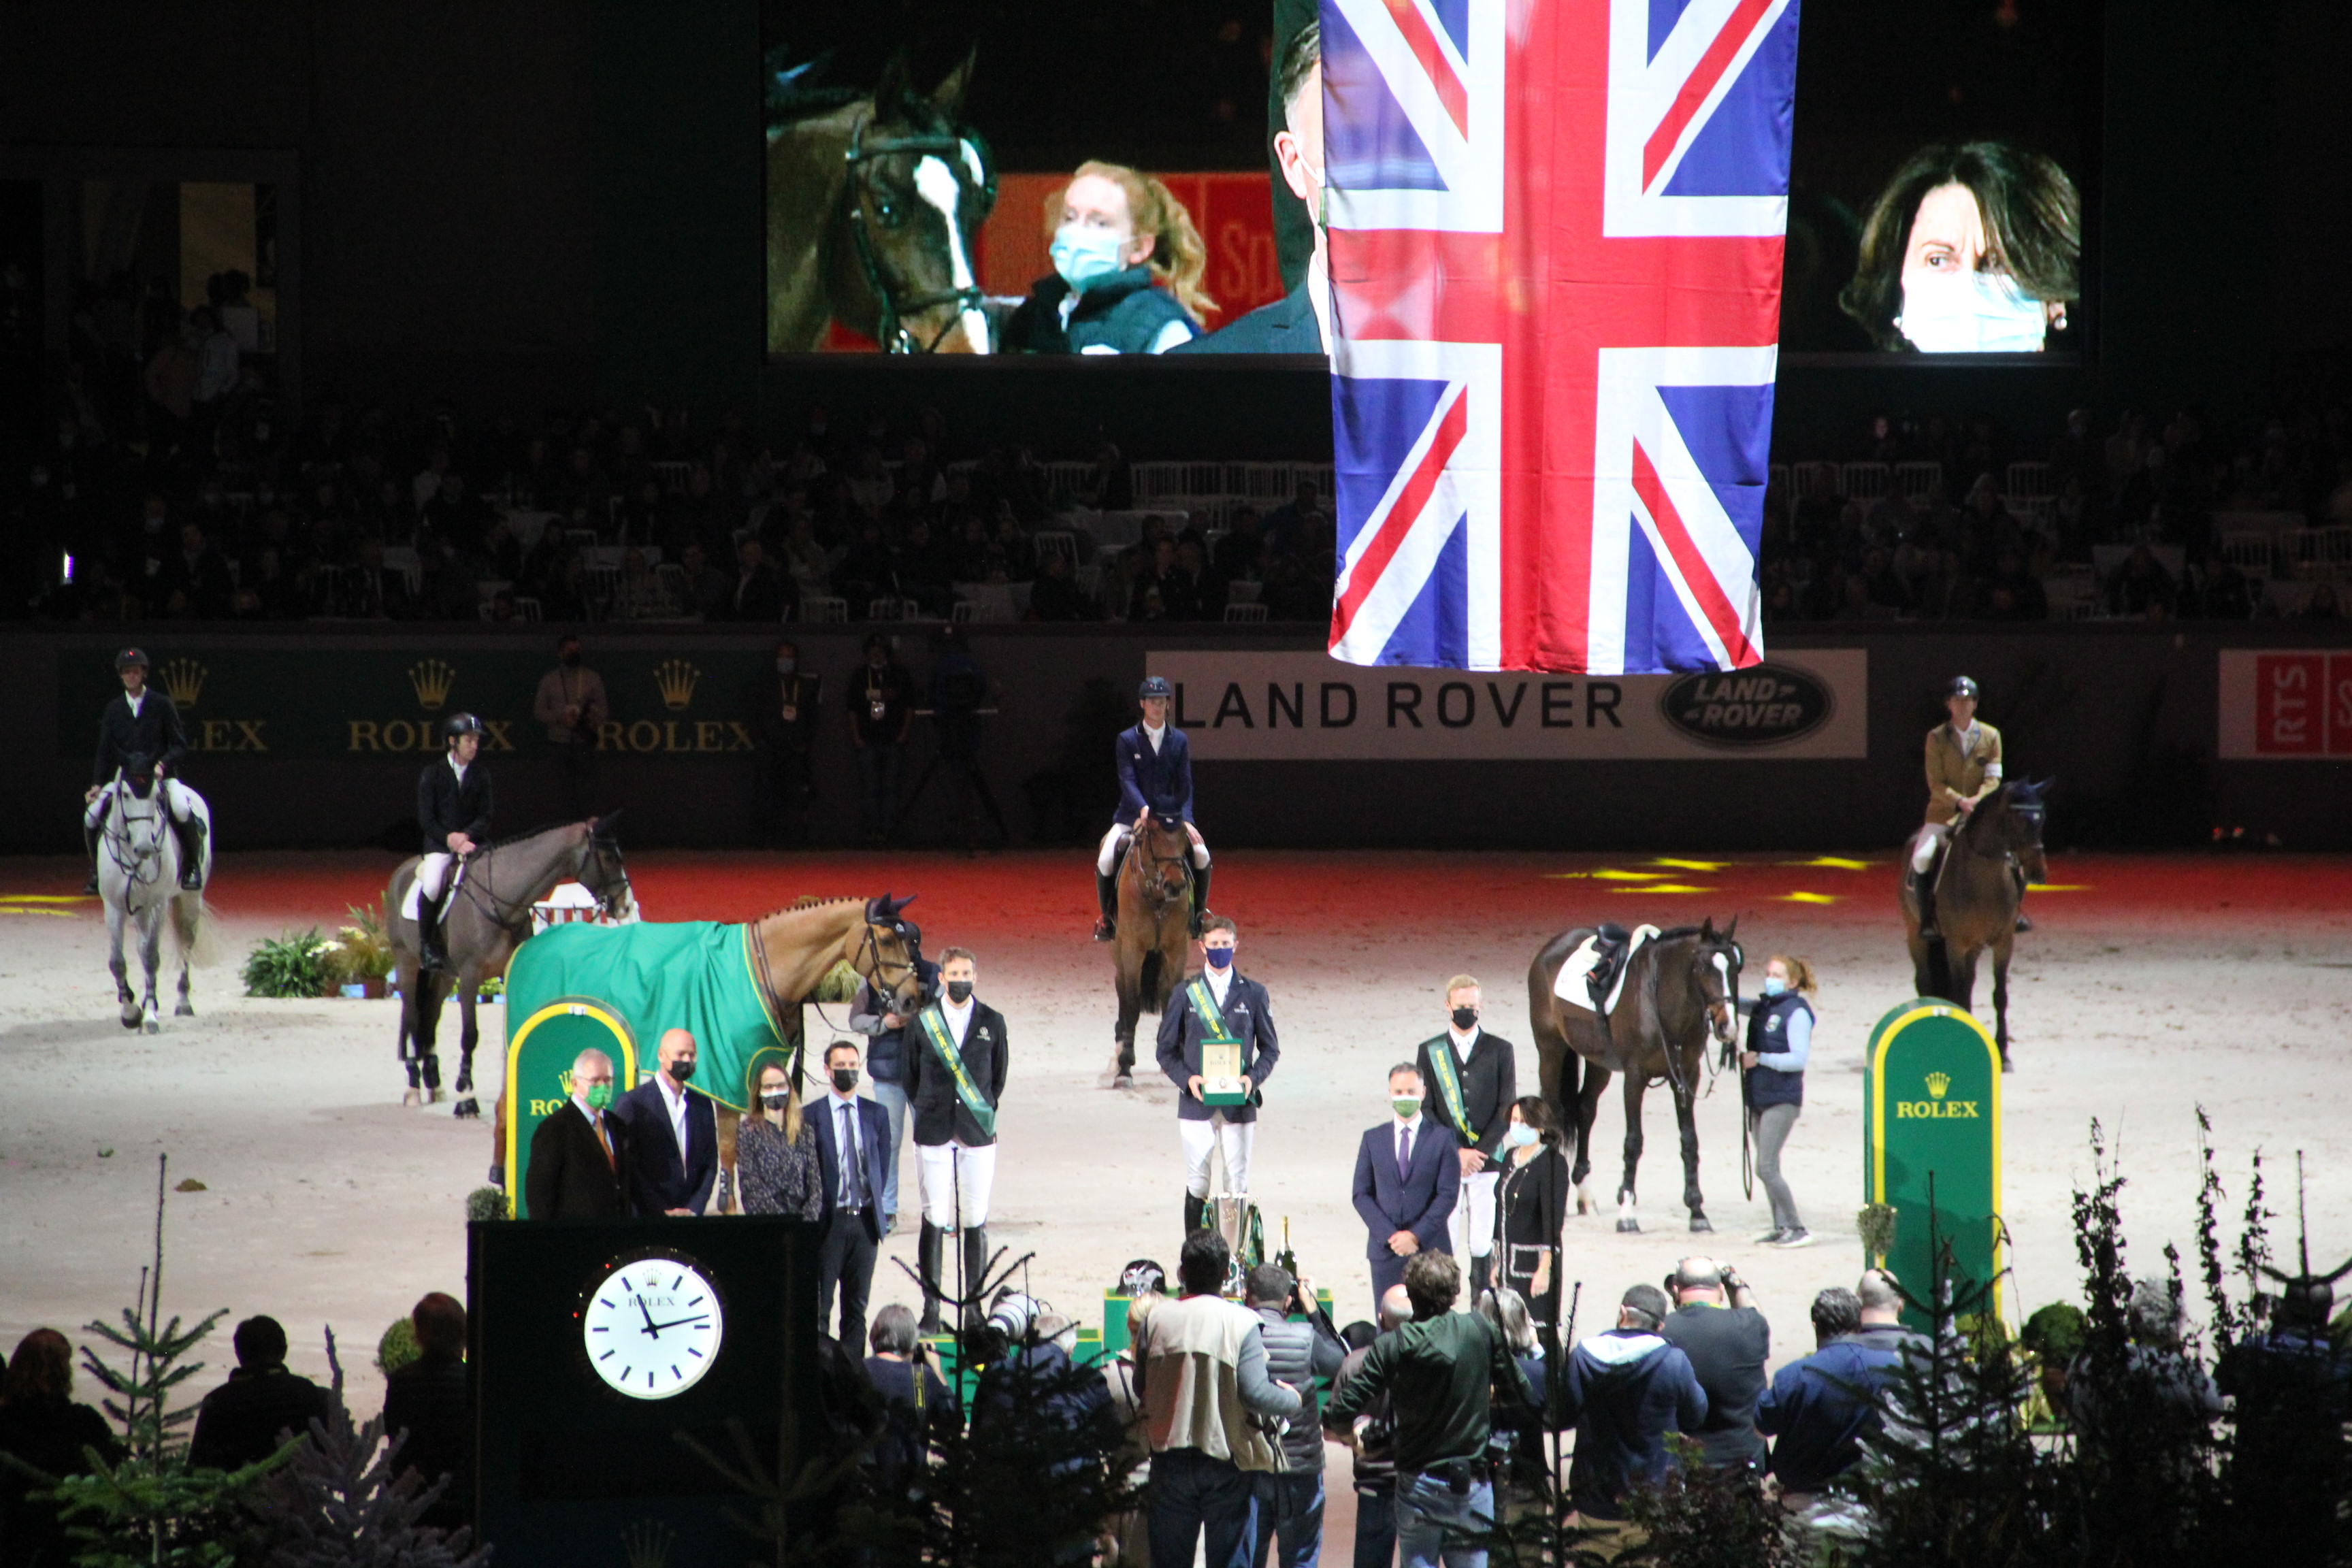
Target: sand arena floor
x: 2155, y: 984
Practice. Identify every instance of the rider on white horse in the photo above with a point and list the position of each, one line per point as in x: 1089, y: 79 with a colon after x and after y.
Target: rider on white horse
x: 142, y: 729
x: 452, y: 808
x: 1155, y: 774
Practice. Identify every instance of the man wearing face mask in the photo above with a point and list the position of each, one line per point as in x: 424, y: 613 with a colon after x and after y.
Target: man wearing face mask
x: 1220, y: 1006
x: 1407, y: 1181
x: 1127, y: 265
x: 580, y: 1164
x: 1470, y: 1078
x: 853, y: 1138
x: 674, y: 1133
x: 570, y: 704
x: 1300, y: 321
x: 955, y: 1064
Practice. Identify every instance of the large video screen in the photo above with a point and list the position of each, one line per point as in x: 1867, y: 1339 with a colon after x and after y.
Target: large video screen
x: 1103, y: 177
x: 1943, y: 179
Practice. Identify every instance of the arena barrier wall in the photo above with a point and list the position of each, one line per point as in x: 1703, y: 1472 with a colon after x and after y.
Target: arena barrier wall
x: 312, y: 736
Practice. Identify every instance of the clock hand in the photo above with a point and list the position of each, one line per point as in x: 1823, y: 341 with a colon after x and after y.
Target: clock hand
x: 697, y: 1318
x: 647, y: 1314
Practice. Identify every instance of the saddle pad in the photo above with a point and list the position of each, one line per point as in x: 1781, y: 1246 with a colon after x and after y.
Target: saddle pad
x: 1571, y: 985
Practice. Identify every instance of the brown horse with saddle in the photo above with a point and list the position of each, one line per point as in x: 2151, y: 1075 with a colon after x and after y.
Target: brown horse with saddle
x: 1649, y: 1020
x: 1155, y: 915
x: 1992, y: 854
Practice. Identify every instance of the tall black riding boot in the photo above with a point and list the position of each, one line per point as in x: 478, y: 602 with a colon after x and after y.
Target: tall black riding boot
x: 928, y: 1247
x: 1200, y: 897
x: 1923, y: 888
x: 191, y: 835
x: 89, y: 845
x: 1106, y: 899
x: 975, y: 1258
x: 1481, y: 1272
x: 1196, y: 1213
x: 429, y: 956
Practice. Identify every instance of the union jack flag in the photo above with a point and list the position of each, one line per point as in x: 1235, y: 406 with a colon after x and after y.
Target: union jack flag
x: 1554, y: 234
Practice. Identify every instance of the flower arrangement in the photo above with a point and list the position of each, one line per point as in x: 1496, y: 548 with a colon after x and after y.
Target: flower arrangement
x: 292, y: 965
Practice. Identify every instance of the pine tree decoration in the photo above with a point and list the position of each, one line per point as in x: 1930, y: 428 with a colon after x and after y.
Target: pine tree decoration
x: 153, y: 1510
x: 345, y: 1503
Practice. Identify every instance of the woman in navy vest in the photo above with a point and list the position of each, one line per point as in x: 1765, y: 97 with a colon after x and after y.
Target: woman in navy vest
x: 1780, y: 1038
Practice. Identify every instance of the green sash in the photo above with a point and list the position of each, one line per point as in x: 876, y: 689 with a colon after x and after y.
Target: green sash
x: 1212, y: 1020
x: 935, y: 1029
x: 1449, y: 1086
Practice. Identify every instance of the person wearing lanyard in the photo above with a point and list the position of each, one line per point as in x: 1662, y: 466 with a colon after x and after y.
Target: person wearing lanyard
x: 955, y: 1067
x: 881, y: 698
x: 1772, y: 1084
x: 1471, y: 1078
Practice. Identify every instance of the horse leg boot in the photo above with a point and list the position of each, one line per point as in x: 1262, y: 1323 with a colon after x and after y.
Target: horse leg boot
x: 928, y: 1247
x: 1106, y: 898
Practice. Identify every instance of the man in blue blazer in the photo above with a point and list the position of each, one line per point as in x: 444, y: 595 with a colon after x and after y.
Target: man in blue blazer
x: 853, y: 1143
x: 1220, y: 1004
x: 1408, y: 1176
x: 673, y: 1135
x: 1155, y: 777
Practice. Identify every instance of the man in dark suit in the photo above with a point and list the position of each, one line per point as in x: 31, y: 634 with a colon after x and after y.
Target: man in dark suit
x: 1219, y: 1005
x: 957, y: 1057
x: 580, y: 1156
x: 1471, y: 1078
x: 1298, y: 323
x: 853, y: 1141
x: 244, y: 1420
x: 673, y: 1135
x: 453, y: 809
x: 142, y: 728
x: 1407, y: 1179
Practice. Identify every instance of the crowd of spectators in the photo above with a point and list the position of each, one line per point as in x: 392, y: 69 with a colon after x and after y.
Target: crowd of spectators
x: 2155, y: 520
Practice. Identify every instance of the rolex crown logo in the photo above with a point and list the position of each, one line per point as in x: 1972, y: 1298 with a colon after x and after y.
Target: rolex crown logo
x: 431, y: 678
x: 183, y: 681
x: 1938, y: 1082
x: 676, y: 677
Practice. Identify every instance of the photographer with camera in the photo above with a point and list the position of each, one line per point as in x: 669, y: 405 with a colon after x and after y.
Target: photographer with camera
x: 1441, y: 1371
x: 1714, y: 1322
x: 1296, y: 1353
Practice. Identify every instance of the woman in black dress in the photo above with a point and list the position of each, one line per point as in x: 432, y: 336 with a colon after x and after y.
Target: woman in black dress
x: 776, y: 1151
x: 1530, y: 1207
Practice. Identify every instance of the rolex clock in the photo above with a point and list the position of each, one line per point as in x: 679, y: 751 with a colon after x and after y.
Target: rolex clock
x: 651, y: 1326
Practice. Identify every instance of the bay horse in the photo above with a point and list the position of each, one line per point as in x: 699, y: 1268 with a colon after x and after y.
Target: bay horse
x: 1677, y: 986
x: 487, y: 914
x: 1994, y: 852
x: 875, y: 202
x: 138, y: 883
x: 1155, y: 914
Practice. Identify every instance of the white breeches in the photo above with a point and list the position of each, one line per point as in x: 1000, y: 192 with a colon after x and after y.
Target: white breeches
x: 1114, y: 844
x: 1931, y: 838
x: 178, y: 799
x: 955, y: 1184
x: 431, y: 872
x: 1474, y: 1212
x: 1216, y: 1135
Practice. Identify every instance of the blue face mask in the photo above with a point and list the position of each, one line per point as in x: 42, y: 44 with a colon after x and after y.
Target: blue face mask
x: 1083, y: 255
x: 1971, y: 313
x: 1219, y: 957
x: 1520, y: 1135
x: 1773, y: 987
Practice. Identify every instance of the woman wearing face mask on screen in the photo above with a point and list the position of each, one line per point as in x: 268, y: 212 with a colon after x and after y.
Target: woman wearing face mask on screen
x: 1970, y: 249
x: 1127, y: 265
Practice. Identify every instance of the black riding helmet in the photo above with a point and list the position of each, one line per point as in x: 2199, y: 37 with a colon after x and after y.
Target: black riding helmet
x: 1961, y: 686
x: 458, y: 724
x: 128, y: 658
x: 1154, y: 686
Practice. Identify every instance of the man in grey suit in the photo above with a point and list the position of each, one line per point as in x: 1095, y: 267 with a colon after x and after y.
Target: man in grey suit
x: 1407, y: 1178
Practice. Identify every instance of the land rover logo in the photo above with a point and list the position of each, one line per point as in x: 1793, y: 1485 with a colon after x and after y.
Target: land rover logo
x: 1760, y: 706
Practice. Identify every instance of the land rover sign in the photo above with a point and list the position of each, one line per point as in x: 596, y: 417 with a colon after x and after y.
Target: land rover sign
x: 1765, y: 705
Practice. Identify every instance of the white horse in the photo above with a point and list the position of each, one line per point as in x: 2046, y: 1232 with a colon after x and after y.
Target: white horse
x: 139, y: 878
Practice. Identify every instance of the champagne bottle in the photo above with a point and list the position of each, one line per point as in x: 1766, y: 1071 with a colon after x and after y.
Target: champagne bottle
x: 1286, y: 1260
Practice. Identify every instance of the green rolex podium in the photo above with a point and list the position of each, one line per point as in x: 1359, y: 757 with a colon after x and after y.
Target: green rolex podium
x: 596, y: 1344
x: 1931, y: 1145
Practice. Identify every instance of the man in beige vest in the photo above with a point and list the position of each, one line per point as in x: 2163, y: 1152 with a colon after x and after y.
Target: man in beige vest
x: 1211, y: 1414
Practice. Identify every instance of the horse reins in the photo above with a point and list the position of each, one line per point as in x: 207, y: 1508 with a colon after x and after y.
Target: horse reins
x: 145, y: 865
x: 891, y: 328
x: 1182, y: 859
x: 512, y: 921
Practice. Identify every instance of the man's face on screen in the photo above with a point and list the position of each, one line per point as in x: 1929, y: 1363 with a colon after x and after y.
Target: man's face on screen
x: 1094, y: 202
x: 1298, y: 146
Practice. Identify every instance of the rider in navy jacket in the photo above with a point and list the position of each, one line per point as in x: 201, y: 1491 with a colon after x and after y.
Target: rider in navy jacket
x: 1155, y: 774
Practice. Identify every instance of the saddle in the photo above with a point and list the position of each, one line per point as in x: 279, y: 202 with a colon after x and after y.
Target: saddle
x: 1593, y: 977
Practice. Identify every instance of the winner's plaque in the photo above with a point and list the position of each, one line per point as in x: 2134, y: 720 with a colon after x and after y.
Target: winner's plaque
x: 1221, y: 1082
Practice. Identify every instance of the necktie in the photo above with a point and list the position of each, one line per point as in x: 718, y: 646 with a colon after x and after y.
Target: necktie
x: 605, y: 1142
x: 853, y: 1169
x: 1404, y: 1153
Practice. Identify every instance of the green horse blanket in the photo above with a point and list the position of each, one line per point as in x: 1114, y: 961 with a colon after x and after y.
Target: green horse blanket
x: 695, y: 975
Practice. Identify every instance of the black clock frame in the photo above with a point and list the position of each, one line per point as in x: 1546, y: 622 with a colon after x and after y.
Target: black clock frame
x: 623, y: 1259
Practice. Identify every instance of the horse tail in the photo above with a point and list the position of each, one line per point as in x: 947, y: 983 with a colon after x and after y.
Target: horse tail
x: 194, y: 930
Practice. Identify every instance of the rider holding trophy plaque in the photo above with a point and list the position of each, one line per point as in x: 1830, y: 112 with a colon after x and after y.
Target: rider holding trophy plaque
x: 1217, y: 1046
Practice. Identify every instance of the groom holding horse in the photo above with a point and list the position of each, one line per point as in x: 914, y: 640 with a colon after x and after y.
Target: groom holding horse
x: 1155, y: 779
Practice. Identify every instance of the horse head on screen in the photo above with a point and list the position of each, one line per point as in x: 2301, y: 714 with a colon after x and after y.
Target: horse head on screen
x: 875, y: 205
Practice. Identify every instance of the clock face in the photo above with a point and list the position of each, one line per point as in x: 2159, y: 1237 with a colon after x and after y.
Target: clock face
x: 651, y: 1328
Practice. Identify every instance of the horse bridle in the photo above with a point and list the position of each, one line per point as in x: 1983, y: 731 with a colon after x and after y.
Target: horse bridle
x: 890, y: 331
x: 486, y: 901
x: 868, y: 949
x: 146, y: 864
x: 1183, y: 857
